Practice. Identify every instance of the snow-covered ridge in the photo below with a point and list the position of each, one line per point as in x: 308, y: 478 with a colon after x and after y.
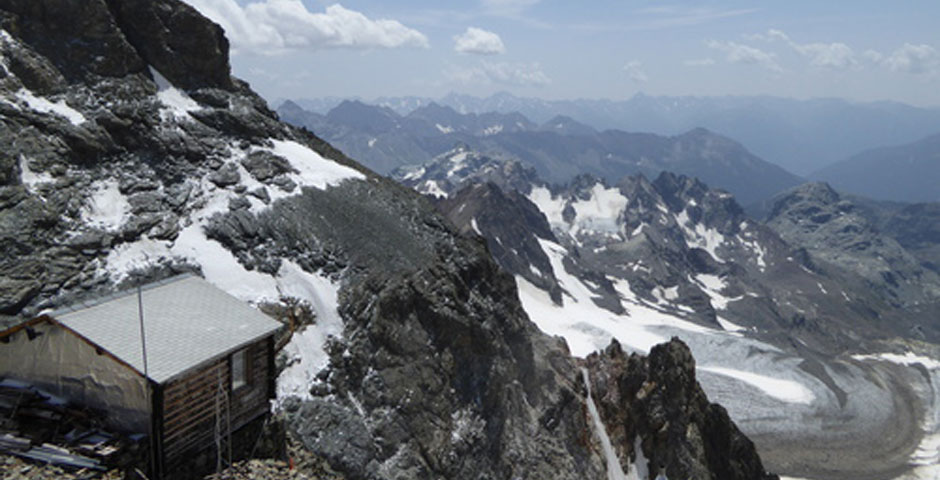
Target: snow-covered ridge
x: 219, y: 265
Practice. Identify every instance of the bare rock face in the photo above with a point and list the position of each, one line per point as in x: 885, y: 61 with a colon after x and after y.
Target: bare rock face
x: 658, y: 400
x: 198, y: 59
x: 836, y: 230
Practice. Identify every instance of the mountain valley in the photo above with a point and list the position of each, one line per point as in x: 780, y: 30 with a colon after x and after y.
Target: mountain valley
x: 641, y: 261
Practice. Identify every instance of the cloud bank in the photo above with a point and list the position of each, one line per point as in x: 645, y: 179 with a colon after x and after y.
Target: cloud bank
x: 837, y: 55
x: 914, y: 59
x: 745, y: 54
x: 271, y: 27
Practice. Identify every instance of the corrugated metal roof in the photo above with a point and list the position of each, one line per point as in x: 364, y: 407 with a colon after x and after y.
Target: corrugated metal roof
x: 187, y: 322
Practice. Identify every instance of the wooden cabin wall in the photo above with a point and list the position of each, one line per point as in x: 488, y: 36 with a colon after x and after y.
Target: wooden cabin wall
x: 251, y: 400
x: 192, y: 404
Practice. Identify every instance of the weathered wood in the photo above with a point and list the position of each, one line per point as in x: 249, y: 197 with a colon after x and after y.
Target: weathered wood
x: 194, y: 419
x: 197, y: 379
x: 190, y: 402
x: 180, y: 404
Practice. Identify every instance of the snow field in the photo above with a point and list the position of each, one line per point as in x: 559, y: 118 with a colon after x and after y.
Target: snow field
x: 783, y: 390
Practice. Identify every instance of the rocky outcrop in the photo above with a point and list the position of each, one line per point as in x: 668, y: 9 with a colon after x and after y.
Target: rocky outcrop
x: 657, y: 400
x: 511, y: 226
x: 833, y: 229
x: 81, y: 106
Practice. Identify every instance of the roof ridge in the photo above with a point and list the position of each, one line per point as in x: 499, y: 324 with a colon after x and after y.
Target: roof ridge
x: 93, y: 302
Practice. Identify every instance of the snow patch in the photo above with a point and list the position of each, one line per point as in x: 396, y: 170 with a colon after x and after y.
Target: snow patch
x: 535, y: 271
x: 306, y: 350
x: 587, y: 327
x: 431, y: 187
x: 699, y: 236
x: 32, y: 178
x: 107, y: 207
x: 443, y: 129
x: 372, y: 142
x: 492, y: 130
x: 614, y: 470
x: 757, y: 249
x: 473, y: 224
x: 728, y: 326
x: 177, y: 104
x: 599, y: 212
x: 713, y: 285
x: 44, y: 105
x: 458, y: 162
x: 784, y: 390
x: 549, y: 205
x: 222, y: 268
x: 907, y: 359
x: 415, y: 174
x: 665, y: 296
x: 313, y: 170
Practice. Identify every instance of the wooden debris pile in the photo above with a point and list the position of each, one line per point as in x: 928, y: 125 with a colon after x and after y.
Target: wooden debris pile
x: 38, y: 426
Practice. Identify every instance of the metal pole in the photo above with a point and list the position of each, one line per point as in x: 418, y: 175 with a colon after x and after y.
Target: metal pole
x: 143, y: 348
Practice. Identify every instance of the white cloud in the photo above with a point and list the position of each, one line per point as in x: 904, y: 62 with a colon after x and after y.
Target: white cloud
x: 503, y: 73
x: 837, y: 55
x: 479, y: 41
x: 699, y: 62
x: 507, y: 7
x: 745, y: 54
x: 278, y: 26
x: 635, y: 72
x: 873, y: 55
x: 914, y: 59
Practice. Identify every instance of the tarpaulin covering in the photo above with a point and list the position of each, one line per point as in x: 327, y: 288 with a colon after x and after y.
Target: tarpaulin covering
x: 65, y: 365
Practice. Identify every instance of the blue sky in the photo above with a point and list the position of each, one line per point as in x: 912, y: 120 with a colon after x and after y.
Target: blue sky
x: 555, y: 49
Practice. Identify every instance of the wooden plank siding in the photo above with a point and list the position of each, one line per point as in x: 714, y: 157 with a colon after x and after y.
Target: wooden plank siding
x: 192, y: 404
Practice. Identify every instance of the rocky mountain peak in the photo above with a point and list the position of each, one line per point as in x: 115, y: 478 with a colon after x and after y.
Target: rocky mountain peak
x: 665, y: 383
x: 366, y: 118
x: 461, y: 166
x: 109, y: 38
x: 812, y: 195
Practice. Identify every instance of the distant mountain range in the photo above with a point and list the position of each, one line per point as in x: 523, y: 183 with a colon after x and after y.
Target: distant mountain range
x: 801, y: 136
x: 558, y: 149
x: 908, y: 172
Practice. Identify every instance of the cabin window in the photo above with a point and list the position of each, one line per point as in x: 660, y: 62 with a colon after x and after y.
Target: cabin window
x: 240, y: 369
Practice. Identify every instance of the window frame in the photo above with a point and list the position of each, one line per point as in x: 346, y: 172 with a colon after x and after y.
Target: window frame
x: 240, y: 378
